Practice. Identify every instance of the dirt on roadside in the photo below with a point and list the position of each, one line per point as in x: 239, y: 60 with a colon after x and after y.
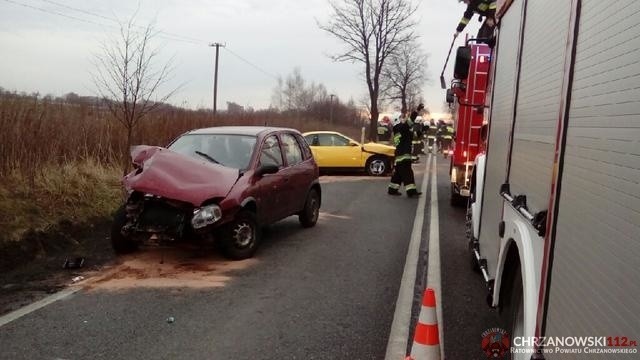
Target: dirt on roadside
x: 32, y: 268
x: 177, y: 266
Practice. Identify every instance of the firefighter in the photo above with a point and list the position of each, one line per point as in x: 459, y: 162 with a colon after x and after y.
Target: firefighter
x: 431, y: 136
x: 417, y: 145
x: 447, y: 136
x: 484, y: 8
x: 425, y: 128
x: 384, y: 130
x: 440, y: 129
x: 416, y: 112
x: 402, y: 172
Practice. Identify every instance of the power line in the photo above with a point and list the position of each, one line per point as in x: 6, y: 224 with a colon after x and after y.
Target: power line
x: 162, y: 34
x: 76, y: 9
x: 251, y: 64
x: 55, y: 13
x: 173, y: 36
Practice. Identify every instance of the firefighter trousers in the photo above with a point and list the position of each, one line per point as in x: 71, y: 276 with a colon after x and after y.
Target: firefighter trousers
x: 403, y: 174
x: 486, y: 31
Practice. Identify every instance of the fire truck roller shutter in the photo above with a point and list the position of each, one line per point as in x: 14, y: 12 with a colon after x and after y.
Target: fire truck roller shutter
x: 500, y: 124
x: 596, y: 263
x: 539, y: 101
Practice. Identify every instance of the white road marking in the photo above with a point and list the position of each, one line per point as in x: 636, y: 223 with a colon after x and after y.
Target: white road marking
x: 4, y: 320
x: 434, y: 279
x: 399, y: 334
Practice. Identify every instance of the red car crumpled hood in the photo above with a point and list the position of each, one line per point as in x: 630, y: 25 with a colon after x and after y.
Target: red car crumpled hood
x: 179, y: 177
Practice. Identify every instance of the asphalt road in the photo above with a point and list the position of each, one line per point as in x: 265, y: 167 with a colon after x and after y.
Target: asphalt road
x: 465, y: 312
x: 323, y: 293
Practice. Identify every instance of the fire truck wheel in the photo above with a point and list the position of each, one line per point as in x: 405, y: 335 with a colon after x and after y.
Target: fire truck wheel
x: 469, y: 229
x: 456, y: 199
x: 475, y: 267
x: 512, y: 313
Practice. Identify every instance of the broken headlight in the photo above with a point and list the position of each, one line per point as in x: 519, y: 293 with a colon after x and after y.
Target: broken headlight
x: 205, y: 215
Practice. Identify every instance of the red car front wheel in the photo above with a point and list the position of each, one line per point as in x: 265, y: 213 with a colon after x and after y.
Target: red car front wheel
x: 241, y: 236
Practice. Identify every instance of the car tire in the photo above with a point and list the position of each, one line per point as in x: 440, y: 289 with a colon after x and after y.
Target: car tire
x: 378, y: 165
x: 121, y: 244
x: 309, y: 215
x: 456, y: 200
x: 241, y: 236
x: 475, y: 267
x: 473, y: 262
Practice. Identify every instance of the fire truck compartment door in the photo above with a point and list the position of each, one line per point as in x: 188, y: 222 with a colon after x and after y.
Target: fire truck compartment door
x: 539, y: 101
x: 500, y: 124
x: 594, y: 285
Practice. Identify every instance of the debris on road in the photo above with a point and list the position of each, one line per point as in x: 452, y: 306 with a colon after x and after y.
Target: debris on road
x: 171, y: 320
x: 75, y: 263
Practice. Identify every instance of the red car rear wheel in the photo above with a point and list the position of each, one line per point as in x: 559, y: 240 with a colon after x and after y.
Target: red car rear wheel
x: 309, y: 215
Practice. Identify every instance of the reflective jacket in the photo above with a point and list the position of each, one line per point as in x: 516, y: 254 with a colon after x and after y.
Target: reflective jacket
x: 402, y: 139
x: 384, y: 133
x: 485, y: 8
x: 431, y: 132
x: 448, y: 133
x: 417, y: 131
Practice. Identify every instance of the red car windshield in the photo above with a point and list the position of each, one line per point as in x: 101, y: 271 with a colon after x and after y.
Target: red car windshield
x: 232, y: 151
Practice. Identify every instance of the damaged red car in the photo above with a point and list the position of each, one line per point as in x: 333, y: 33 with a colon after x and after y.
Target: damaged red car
x: 221, y: 184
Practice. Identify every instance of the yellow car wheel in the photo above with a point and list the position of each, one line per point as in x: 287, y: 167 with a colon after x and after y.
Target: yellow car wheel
x: 378, y: 165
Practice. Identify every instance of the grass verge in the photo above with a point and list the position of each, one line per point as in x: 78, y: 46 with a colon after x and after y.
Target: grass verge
x: 54, y: 199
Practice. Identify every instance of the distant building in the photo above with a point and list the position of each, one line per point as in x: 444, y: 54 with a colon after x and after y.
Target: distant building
x: 233, y: 108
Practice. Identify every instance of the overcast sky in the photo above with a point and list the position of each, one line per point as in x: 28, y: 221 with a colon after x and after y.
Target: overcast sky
x: 48, y: 46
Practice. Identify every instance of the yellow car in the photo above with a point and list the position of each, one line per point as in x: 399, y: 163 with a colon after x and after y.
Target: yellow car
x: 334, y: 151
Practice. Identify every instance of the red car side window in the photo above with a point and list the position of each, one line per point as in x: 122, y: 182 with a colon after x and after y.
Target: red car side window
x: 270, y: 153
x: 292, y: 150
x: 306, y: 151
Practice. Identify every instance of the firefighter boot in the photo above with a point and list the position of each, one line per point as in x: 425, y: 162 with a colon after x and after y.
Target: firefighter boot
x: 413, y: 193
x: 393, y: 189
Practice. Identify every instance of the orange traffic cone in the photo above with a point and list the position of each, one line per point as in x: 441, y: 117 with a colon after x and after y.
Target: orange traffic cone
x: 426, y: 340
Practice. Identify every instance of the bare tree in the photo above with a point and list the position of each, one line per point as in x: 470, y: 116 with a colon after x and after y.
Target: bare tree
x: 294, y: 94
x: 414, y: 98
x: 294, y: 90
x: 126, y: 76
x: 404, y: 74
x: 372, y: 30
x: 277, y: 98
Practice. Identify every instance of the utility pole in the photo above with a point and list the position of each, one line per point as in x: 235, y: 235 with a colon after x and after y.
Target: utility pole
x: 331, y: 109
x: 215, y: 78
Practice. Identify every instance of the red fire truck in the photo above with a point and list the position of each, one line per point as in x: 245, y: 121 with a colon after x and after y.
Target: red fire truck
x: 467, y: 94
x: 556, y: 209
